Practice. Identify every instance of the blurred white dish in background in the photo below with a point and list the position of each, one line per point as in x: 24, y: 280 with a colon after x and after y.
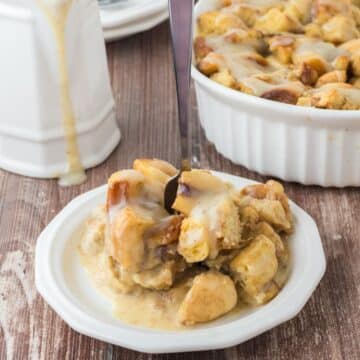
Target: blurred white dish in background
x: 65, y: 285
x: 135, y: 27
x: 56, y: 115
x: 294, y: 143
x: 126, y: 17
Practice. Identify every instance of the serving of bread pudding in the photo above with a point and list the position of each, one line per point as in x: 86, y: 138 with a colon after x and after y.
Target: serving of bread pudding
x: 222, y: 249
x: 300, y: 52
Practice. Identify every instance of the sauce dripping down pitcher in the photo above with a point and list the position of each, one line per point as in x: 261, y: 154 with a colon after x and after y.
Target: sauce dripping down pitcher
x: 56, y: 110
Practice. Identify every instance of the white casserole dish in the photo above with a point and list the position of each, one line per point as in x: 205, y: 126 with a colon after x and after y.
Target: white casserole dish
x: 293, y: 143
x: 66, y: 287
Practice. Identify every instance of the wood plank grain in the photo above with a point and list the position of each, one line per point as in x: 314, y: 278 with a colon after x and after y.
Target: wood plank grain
x: 143, y: 83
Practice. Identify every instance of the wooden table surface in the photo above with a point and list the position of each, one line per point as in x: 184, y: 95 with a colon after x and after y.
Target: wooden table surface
x: 142, y: 78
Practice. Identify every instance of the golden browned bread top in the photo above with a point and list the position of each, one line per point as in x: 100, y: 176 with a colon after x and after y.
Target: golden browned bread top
x: 287, y: 51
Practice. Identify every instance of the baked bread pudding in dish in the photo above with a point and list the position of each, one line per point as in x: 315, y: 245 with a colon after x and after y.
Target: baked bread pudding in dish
x: 224, y: 250
x: 300, y: 52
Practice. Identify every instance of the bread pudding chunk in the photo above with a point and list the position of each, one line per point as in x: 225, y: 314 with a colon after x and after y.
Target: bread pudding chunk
x: 255, y: 268
x: 140, y: 229
x: 282, y: 50
x: 223, y: 249
x: 212, y: 220
x: 211, y: 295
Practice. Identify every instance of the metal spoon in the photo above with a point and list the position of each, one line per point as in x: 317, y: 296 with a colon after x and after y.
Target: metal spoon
x: 181, y: 26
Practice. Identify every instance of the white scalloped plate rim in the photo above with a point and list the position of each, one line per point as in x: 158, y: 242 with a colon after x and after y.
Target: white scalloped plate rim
x: 112, y: 17
x: 136, y: 27
x: 308, y: 267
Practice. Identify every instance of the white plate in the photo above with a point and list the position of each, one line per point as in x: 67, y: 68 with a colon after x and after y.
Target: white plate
x: 132, y: 16
x: 135, y: 27
x: 129, y: 11
x: 63, y: 283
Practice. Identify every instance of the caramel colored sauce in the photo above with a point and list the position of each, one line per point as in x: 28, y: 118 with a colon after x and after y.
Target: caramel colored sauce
x: 143, y: 308
x: 56, y: 12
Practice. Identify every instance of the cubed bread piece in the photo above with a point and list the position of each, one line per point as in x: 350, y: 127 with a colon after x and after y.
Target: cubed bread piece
x: 299, y: 9
x: 249, y: 218
x: 126, y: 241
x: 211, y: 63
x: 341, y: 62
x: 193, y: 184
x: 340, y: 29
x: 248, y: 13
x: 203, y: 181
x: 154, y: 168
x: 276, y: 21
x: 353, y: 47
x: 317, y: 54
x: 156, y: 174
x: 282, y: 47
x: 328, y: 99
x: 270, y: 290
x: 304, y: 100
x: 313, y: 61
x: 275, y: 191
x: 246, y: 36
x: 307, y: 74
x: 270, y: 210
x: 135, y: 237
x: 211, y: 227
x: 137, y: 222
x: 323, y: 10
x: 329, y: 96
x: 147, y: 182
x: 228, y: 229
x: 195, y: 241
x: 164, y: 232
x: 212, y: 294
x: 336, y: 76
x: 282, y: 253
x: 225, y: 78
x: 216, y: 22
x: 337, y: 96
x: 255, y: 267
x: 313, y: 30
x: 227, y: 21
x: 123, y: 186
x: 355, y: 64
x: 206, y: 22
x: 284, y: 94
x: 159, y: 278
x: 273, y: 212
x: 201, y: 49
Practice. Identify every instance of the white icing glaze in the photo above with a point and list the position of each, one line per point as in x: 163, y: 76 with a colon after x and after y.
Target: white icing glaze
x: 310, y: 46
x: 239, y: 58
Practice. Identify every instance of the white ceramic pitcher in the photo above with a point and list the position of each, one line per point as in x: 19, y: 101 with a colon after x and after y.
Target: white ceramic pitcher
x: 56, y: 104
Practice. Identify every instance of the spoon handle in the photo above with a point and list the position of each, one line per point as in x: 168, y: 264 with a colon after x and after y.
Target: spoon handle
x: 181, y: 25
